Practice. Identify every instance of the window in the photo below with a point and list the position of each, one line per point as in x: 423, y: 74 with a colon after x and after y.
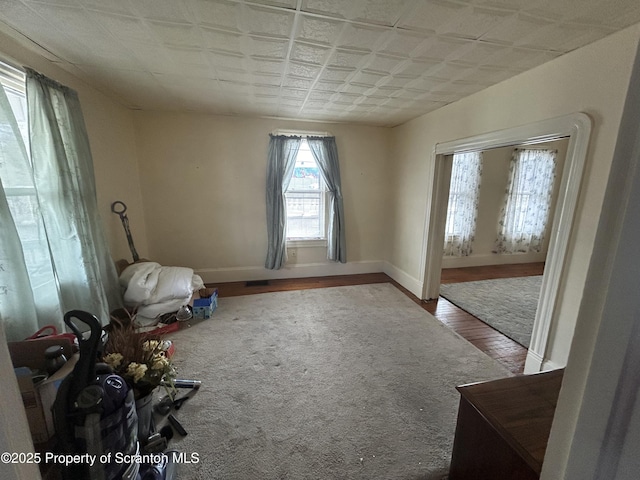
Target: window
x: 54, y: 255
x: 463, y: 203
x: 525, y: 215
x: 306, y: 199
x: 20, y: 192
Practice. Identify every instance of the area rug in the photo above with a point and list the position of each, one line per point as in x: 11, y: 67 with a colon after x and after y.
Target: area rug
x: 353, y: 382
x: 507, y: 304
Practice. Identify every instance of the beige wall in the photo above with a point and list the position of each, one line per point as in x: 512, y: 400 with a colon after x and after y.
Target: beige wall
x: 203, y: 186
x: 594, y: 80
x: 495, y: 177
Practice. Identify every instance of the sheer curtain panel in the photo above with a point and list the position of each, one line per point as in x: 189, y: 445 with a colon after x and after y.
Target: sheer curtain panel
x: 462, y: 209
x: 17, y: 307
x: 280, y: 163
x: 65, y: 185
x: 325, y: 152
x: 524, y: 216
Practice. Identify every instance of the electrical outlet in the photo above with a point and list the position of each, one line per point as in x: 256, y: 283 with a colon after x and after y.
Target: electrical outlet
x: 293, y: 253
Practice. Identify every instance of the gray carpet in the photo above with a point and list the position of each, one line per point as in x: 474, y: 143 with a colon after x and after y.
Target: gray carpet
x: 352, y: 382
x: 507, y: 304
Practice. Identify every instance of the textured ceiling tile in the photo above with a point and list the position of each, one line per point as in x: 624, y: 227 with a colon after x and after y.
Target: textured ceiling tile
x: 266, y: 48
x: 346, y: 98
x: 264, y: 21
x: 221, y: 40
x: 303, y: 70
x: 515, y: 28
x: 368, y: 78
x: 304, y: 52
x: 424, y: 83
x: 298, y: 83
x: 383, y: 63
x: 336, y: 74
x: 487, y: 75
x: 268, y: 80
x: 357, y: 88
x: 509, y: 5
x: 361, y: 37
x: 431, y: 15
x: 180, y: 35
x: 380, y: 12
x: 416, y: 67
x: 328, y: 86
x: 473, y: 23
x: 243, y: 57
x: 295, y: 93
x: 318, y: 30
x: 399, y: 80
x: 521, y: 59
x: 122, y: 7
x: 347, y: 58
x: 477, y: 53
x: 124, y: 27
x: 560, y: 37
x: 71, y: 20
x: 219, y: 13
x: 402, y: 43
x: 441, y: 48
x: 231, y: 75
x: 266, y: 66
x: 224, y: 60
x: 278, y: 3
x: 448, y: 70
x: 170, y: 11
x: 321, y: 95
x: 556, y: 10
x: 187, y: 56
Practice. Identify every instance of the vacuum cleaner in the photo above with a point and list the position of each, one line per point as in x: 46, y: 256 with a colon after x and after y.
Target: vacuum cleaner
x: 94, y: 416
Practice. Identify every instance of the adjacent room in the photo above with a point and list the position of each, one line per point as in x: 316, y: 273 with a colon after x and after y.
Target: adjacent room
x: 332, y: 239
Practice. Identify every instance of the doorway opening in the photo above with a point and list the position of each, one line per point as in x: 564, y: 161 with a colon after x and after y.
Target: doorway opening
x: 577, y: 127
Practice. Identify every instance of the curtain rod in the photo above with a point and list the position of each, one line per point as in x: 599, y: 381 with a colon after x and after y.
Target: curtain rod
x: 301, y: 133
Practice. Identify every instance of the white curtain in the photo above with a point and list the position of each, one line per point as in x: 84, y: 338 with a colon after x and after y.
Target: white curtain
x: 462, y: 208
x: 525, y: 214
x: 55, y: 256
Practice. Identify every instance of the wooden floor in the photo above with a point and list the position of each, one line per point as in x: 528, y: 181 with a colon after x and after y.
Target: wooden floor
x: 511, y: 354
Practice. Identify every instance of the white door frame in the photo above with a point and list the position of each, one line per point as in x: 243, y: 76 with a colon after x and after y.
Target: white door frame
x: 577, y: 127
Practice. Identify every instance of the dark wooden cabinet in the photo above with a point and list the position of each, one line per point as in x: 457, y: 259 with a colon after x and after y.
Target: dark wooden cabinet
x: 503, y: 427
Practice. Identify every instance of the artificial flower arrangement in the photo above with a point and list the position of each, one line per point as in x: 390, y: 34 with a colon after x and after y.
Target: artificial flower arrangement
x: 140, y: 358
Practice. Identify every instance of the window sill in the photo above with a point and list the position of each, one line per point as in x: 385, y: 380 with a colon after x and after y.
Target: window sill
x: 307, y: 243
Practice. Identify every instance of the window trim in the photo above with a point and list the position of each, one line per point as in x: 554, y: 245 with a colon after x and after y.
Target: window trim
x: 311, y: 241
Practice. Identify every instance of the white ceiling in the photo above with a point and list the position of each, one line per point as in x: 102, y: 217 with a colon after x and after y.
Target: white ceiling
x: 377, y: 62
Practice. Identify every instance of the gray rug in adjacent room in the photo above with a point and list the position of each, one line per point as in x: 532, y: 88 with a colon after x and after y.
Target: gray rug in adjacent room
x: 352, y: 382
x: 507, y: 304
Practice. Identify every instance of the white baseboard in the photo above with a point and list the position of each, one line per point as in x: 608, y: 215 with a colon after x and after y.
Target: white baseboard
x: 491, y: 259
x: 241, y: 274
x: 412, y: 284
x: 536, y: 363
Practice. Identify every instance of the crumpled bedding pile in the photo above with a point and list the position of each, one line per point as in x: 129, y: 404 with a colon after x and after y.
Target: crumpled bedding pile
x: 156, y: 290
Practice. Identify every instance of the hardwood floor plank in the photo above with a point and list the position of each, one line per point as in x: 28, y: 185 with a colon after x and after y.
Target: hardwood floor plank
x: 499, y: 347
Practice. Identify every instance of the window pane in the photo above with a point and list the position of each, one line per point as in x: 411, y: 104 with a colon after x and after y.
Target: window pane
x: 305, y: 198
x: 304, y: 215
